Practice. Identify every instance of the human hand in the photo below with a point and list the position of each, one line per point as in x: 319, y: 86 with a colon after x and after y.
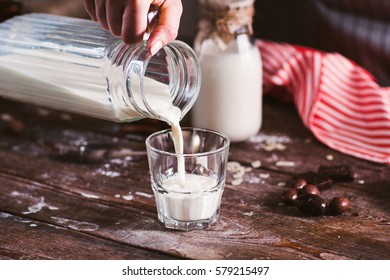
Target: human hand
x: 128, y: 19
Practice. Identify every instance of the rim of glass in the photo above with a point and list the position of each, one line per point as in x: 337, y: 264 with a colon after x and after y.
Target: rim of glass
x: 220, y: 134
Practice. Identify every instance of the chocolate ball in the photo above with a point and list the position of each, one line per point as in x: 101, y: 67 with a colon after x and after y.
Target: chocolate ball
x: 311, y: 204
x: 309, y: 189
x: 290, y: 196
x: 338, y: 205
x: 299, y: 183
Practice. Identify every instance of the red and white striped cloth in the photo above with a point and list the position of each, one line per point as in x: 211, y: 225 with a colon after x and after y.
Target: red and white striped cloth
x: 339, y: 101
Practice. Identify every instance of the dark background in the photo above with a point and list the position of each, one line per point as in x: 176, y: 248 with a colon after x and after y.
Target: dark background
x: 284, y: 20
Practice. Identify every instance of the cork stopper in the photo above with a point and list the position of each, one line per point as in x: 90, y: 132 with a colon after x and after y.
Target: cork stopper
x: 221, y: 19
x: 226, y: 4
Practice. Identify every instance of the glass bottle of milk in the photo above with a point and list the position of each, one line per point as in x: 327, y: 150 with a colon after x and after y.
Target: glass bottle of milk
x: 73, y: 65
x: 230, y: 98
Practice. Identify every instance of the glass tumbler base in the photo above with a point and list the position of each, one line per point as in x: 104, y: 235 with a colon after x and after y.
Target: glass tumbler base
x: 189, y: 225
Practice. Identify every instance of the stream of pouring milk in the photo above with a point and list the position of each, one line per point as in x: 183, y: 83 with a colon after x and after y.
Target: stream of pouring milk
x: 172, y: 115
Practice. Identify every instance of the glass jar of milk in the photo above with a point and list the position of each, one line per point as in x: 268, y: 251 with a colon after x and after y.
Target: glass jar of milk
x: 73, y: 65
x: 230, y: 99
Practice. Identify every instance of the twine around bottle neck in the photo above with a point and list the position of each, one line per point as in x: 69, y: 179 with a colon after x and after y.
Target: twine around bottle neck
x: 221, y: 25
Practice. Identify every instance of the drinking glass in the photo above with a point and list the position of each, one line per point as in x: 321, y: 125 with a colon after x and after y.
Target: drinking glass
x: 193, y: 203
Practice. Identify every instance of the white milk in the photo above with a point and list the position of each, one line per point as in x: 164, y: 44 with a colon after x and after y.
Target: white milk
x: 230, y: 99
x: 78, y: 88
x: 195, y: 202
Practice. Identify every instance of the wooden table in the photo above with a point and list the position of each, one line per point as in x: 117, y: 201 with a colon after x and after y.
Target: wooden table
x: 56, y: 203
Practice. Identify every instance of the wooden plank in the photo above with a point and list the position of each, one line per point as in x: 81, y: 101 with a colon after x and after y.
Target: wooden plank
x: 126, y: 225
x: 23, y: 238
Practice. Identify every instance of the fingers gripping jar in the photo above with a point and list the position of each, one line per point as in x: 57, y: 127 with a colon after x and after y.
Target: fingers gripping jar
x: 230, y: 98
x: 73, y: 65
